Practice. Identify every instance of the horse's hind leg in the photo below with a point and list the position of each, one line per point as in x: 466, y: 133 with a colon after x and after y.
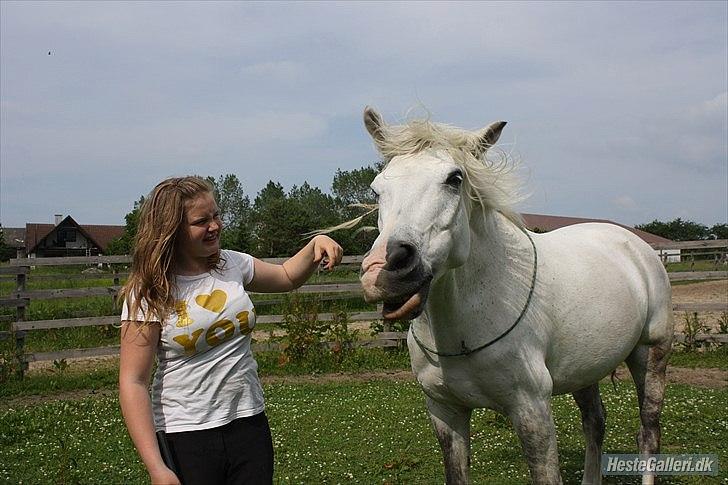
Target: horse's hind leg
x: 647, y: 364
x: 593, y: 417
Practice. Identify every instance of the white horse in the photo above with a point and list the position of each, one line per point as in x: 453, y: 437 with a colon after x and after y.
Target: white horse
x: 504, y: 318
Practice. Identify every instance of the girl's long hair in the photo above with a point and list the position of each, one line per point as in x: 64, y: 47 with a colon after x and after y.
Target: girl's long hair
x: 151, y: 286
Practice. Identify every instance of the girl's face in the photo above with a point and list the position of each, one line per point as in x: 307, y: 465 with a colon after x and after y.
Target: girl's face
x: 199, y: 236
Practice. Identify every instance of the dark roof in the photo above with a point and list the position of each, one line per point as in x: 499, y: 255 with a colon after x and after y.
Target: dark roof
x: 100, y: 235
x: 549, y: 223
x: 34, y: 234
x: 103, y: 235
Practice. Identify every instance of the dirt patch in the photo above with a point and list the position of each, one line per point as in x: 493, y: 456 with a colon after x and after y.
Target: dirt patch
x: 707, y: 378
x: 703, y: 292
x: 80, y: 365
x: 399, y: 375
x: 32, y: 400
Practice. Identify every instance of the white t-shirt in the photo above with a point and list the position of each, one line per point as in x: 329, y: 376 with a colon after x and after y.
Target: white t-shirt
x: 206, y: 375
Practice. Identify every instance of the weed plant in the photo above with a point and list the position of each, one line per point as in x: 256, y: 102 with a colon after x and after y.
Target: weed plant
x: 309, y: 341
x: 9, y: 362
x: 723, y: 323
x: 693, y: 327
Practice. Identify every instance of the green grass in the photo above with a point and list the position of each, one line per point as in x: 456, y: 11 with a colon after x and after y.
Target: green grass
x: 54, y: 380
x: 358, y: 360
x: 346, y: 432
x: 103, y: 374
x: 696, y: 266
x: 9, y: 286
x: 715, y: 357
x: 35, y: 279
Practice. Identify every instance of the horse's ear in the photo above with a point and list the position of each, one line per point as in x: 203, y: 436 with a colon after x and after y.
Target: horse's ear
x: 374, y: 123
x: 489, y: 136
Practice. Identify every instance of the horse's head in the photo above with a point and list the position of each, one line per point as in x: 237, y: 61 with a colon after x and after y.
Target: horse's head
x: 426, y: 191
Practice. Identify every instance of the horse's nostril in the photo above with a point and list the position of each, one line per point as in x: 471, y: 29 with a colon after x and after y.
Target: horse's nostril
x: 400, y: 255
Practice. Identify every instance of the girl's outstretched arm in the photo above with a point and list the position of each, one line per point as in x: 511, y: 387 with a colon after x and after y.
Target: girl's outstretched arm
x: 278, y: 278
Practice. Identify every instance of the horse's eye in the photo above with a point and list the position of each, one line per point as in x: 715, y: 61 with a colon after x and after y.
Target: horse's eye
x: 454, y: 179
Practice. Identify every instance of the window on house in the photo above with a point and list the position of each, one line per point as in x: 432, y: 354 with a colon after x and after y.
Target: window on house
x: 68, y: 235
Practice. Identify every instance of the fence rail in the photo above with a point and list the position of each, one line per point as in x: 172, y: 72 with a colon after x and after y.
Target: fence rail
x: 124, y: 259
x: 20, y: 270
x: 706, y: 244
x: 382, y: 340
x: 697, y: 275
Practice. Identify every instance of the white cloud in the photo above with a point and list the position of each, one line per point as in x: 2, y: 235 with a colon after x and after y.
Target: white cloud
x: 714, y: 110
x: 625, y: 202
x: 614, y: 98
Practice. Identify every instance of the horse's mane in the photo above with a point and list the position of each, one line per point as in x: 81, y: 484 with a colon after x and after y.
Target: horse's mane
x: 490, y: 178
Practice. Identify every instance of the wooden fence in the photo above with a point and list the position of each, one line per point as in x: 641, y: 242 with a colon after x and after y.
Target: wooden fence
x: 692, y: 251
x: 19, y: 270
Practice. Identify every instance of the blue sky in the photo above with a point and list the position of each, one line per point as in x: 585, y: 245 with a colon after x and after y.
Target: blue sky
x: 616, y: 110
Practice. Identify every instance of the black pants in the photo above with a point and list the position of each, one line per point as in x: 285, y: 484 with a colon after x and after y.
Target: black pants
x: 240, y: 452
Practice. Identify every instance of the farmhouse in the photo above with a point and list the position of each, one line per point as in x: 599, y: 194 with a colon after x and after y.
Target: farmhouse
x: 68, y: 238
x: 544, y: 223
x: 64, y: 238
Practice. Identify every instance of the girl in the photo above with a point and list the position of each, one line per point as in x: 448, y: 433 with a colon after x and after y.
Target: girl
x: 186, y: 304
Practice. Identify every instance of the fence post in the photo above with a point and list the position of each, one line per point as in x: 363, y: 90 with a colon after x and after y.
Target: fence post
x: 20, y: 334
x: 116, y: 283
x: 386, y: 324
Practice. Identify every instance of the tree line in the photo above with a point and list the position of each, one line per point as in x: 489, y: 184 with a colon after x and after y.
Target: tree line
x: 275, y: 222
x: 680, y: 230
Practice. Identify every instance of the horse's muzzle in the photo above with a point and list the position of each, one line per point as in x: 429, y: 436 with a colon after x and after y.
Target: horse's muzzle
x: 397, y: 277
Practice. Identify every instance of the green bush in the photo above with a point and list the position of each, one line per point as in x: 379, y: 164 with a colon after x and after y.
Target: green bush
x: 9, y: 363
x: 693, y: 327
x: 310, y: 340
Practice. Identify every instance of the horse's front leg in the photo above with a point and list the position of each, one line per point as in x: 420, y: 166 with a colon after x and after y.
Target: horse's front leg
x: 534, y: 424
x: 452, y: 427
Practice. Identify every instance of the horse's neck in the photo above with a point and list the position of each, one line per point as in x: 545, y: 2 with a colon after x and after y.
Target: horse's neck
x: 482, y: 298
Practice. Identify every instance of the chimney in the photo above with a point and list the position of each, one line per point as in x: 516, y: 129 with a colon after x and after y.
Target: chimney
x: 59, y: 218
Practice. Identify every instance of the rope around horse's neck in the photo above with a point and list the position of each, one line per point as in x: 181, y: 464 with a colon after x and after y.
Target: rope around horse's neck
x: 467, y: 351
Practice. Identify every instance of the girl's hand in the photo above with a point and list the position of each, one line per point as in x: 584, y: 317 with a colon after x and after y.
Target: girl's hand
x: 324, y: 246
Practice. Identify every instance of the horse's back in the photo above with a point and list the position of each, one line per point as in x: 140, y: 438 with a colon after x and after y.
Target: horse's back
x: 605, y: 244
x: 606, y: 292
